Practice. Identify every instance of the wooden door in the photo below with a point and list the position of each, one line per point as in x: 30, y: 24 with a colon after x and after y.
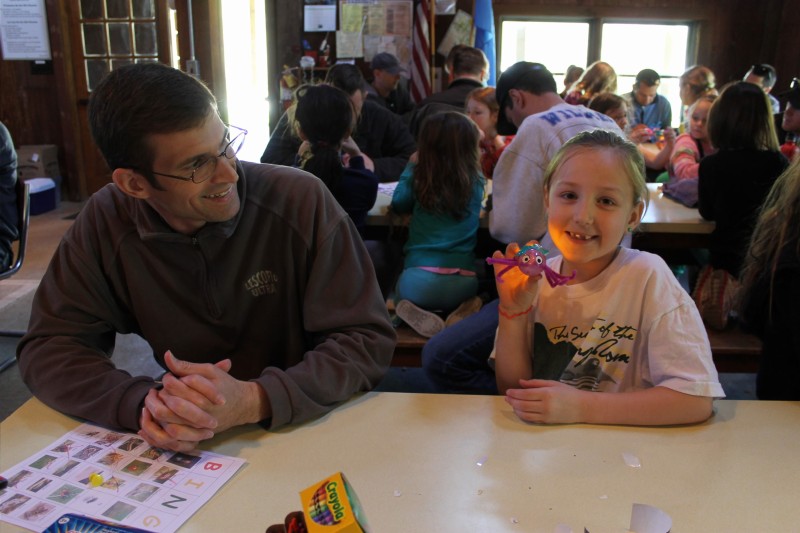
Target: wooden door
x: 104, y: 35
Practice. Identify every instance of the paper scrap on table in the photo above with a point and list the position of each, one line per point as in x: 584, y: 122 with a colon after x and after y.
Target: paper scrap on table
x: 649, y: 519
x: 631, y: 460
x: 644, y: 519
x: 114, y: 476
x: 387, y: 188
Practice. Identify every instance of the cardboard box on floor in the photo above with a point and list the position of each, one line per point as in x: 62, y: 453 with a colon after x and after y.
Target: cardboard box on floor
x: 38, y: 161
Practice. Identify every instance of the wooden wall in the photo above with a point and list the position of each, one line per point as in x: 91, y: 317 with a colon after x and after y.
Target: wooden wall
x: 33, y: 108
x: 734, y: 34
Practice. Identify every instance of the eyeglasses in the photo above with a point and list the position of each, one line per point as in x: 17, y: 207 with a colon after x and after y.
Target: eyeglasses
x: 205, y: 168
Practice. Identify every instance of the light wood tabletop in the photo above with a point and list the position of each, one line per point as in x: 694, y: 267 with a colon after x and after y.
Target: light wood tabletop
x: 663, y: 215
x: 453, y: 463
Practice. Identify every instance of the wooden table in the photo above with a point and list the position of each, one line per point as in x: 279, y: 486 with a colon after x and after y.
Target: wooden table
x: 668, y: 227
x: 452, y: 463
x: 379, y: 215
x: 662, y: 215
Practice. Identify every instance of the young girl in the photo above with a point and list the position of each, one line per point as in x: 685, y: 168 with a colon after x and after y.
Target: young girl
x: 771, y: 288
x: 324, y: 119
x: 482, y: 108
x: 443, y: 191
x: 736, y: 179
x: 622, y: 342
x: 691, y: 147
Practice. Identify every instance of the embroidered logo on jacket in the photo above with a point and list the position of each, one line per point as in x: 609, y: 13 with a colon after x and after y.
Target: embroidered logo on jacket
x: 262, y: 282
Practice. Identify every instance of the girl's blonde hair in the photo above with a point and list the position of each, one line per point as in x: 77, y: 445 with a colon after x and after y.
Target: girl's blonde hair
x: 700, y: 80
x: 449, y: 163
x: 777, y: 226
x: 599, y: 77
x: 626, y: 151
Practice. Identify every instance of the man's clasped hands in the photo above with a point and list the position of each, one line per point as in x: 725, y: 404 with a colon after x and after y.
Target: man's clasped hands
x: 197, y: 401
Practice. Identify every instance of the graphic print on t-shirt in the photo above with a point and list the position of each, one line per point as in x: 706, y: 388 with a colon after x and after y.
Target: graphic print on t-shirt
x: 583, y: 359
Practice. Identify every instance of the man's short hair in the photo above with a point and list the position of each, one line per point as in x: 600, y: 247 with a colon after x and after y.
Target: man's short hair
x: 138, y: 100
x: 648, y: 76
x: 469, y: 61
x: 525, y: 76
x: 764, y: 71
x: 346, y: 77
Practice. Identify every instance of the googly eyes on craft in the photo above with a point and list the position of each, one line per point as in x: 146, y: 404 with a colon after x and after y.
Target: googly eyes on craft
x: 539, y: 260
x: 526, y: 259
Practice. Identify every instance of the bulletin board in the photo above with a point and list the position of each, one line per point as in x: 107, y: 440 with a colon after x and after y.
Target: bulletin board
x: 368, y: 28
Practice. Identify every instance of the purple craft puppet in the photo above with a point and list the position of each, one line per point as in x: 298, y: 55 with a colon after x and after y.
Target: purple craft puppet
x: 530, y: 260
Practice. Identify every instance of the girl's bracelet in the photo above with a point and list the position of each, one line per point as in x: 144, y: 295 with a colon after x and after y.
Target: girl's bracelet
x: 513, y: 315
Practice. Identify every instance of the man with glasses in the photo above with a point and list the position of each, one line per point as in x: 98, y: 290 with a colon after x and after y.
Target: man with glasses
x: 249, y: 282
x: 765, y: 77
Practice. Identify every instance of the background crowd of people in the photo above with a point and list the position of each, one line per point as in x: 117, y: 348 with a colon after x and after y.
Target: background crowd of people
x: 724, y: 158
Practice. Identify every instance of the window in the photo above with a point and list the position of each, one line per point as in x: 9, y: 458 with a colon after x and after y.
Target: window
x: 116, y: 33
x: 556, y: 45
x: 244, y: 30
x: 627, y: 46
x: 663, y: 48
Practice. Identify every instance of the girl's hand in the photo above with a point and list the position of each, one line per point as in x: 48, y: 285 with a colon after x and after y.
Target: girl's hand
x: 499, y: 142
x: 517, y: 291
x: 669, y: 136
x: 640, y: 134
x: 547, y: 402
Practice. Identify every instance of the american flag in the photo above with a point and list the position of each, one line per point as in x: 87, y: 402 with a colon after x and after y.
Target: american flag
x: 420, y: 53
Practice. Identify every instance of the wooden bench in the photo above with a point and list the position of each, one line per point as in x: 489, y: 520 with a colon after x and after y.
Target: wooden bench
x: 733, y: 350
x: 408, y: 351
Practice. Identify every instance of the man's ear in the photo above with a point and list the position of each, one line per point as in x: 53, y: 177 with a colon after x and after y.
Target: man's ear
x: 131, y: 183
x: 517, y: 98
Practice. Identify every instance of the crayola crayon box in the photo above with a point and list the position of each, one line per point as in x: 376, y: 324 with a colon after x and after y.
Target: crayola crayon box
x: 331, y: 505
